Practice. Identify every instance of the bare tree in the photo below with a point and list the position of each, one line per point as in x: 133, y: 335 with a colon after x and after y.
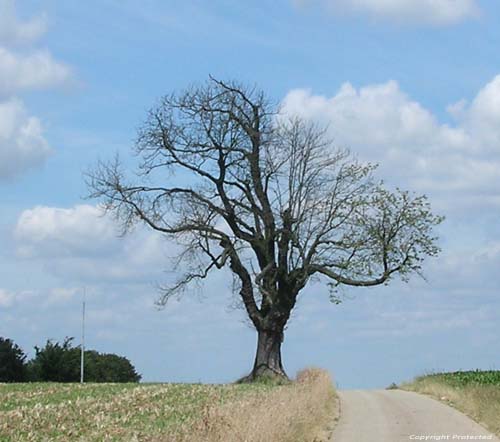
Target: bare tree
x: 239, y: 185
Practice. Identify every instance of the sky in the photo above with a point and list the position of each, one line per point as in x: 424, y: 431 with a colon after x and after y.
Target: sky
x: 413, y: 85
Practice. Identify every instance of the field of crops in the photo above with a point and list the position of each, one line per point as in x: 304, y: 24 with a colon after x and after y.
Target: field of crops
x: 476, y: 393
x: 160, y: 412
x: 462, y: 378
x: 63, y: 412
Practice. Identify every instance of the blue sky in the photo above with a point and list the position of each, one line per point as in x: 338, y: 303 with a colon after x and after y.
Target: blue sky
x: 411, y: 84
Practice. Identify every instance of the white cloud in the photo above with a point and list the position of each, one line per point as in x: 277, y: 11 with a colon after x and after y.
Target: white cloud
x: 81, y: 243
x: 22, y: 144
x: 38, y: 70
x: 6, y: 298
x: 54, y: 232
x: 29, y: 69
x: 429, y: 12
x: 14, y: 32
x: 382, y: 110
x: 382, y: 124
x: 471, y: 268
x: 425, y: 321
x: 482, y: 117
x: 41, y: 297
x: 61, y: 295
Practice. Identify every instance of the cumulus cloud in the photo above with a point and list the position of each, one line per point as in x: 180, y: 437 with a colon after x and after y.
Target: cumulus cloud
x: 481, y: 119
x: 383, y: 124
x: 22, y: 144
x: 81, y: 243
x: 457, y: 163
x: 428, y: 12
x: 53, y: 231
x: 15, y: 32
x: 38, y: 70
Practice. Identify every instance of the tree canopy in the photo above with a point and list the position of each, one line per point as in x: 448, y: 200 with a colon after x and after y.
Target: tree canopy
x: 56, y: 362
x: 238, y: 184
x: 12, y: 362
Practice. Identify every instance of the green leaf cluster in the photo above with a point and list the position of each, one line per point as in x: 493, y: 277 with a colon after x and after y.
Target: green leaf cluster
x: 60, y: 362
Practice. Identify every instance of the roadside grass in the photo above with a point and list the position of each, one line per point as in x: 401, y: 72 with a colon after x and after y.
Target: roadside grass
x: 298, y: 411
x: 302, y: 411
x: 475, y: 393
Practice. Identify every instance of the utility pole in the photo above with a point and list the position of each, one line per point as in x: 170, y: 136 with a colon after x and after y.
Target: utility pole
x: 83, y: 338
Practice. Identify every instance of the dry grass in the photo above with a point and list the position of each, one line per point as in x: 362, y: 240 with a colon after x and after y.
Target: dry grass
x: 480, y: 402
x: 168, y: 412
x: 303, y: 411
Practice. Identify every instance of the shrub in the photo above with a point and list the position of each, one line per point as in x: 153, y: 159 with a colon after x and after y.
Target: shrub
x: 61, y: 363
x: 55, y: 363
x: 109, y: 368
x: 12, y: 362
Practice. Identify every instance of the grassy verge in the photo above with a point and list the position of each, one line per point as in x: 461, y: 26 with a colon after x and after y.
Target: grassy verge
x: 476, y: 393
x: 296, y: 412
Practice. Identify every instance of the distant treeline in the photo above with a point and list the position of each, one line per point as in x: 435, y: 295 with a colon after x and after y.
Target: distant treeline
x: 60, y: 362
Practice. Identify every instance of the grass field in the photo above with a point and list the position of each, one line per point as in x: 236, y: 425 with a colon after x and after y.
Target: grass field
x: 261, y: 412
x: 476, y: 393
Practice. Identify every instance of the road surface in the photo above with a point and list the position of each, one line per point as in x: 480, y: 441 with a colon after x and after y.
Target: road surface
x: 398, y: 416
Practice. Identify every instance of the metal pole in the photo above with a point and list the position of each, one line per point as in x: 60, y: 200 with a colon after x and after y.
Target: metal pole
x: 83, y: 338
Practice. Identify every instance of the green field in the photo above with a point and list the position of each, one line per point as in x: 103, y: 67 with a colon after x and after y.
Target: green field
x: 462, y: 378
x: 475, y: 392
x: 112, y: 412
x: 259, y: 412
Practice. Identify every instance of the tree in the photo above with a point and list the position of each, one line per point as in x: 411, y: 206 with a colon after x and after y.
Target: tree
x: 61, y: 363
x: 12, y: 362
x: 109, y: 368
x: 240, y: 185
x: 55, y: 362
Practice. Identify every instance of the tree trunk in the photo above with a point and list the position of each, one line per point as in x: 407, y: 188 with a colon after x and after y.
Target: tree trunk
x: 268, y: 357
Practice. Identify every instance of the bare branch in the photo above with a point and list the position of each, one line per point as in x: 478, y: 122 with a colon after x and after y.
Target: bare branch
x: 239, y: 185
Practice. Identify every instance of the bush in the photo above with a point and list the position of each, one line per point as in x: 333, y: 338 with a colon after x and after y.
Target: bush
x: 12, y: 362
x: 109, y: 368
x: 61, y: 363
x: 55, y: 363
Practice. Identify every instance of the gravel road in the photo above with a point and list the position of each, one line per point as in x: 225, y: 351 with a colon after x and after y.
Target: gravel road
x: 398, y: 416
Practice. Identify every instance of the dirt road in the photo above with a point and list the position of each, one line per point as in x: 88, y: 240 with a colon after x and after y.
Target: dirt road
x: 398, y: 416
